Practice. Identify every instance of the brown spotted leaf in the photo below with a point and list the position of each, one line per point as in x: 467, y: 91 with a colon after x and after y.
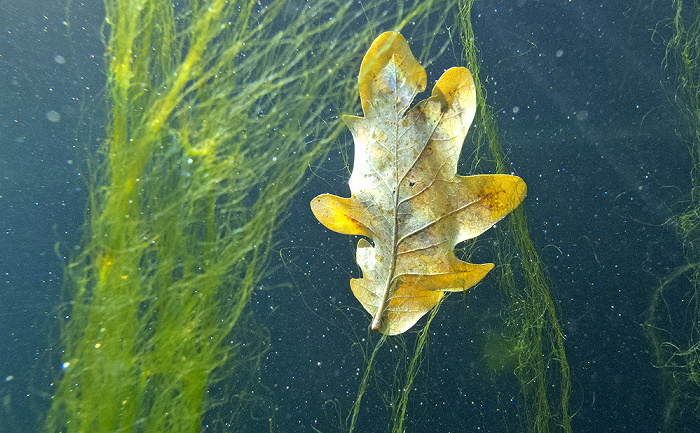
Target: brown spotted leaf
x: 406, y: 195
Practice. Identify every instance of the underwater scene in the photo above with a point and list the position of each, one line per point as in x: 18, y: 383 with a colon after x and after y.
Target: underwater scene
x: 350, y: 216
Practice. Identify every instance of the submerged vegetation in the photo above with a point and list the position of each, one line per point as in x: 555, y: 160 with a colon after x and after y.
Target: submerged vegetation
x: 676, y: 340
x: 531, y: 327
x: 215, y: 110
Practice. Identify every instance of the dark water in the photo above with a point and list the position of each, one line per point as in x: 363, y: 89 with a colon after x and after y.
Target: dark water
x: 588, y: 124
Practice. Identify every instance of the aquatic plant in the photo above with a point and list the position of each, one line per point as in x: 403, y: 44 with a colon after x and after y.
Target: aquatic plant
x: 216, y: 109
x: 676, y: 340
x: 531, y: 316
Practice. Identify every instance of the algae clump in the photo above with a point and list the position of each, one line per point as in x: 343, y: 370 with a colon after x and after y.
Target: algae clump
x: 215, y: 110
x: 531, y: 317
x: 675, y: 340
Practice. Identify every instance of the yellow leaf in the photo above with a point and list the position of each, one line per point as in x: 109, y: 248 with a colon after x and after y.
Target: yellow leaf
x: 406, y: 195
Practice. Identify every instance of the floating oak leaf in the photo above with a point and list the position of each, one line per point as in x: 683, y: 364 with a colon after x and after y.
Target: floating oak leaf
x: 406, y: 195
